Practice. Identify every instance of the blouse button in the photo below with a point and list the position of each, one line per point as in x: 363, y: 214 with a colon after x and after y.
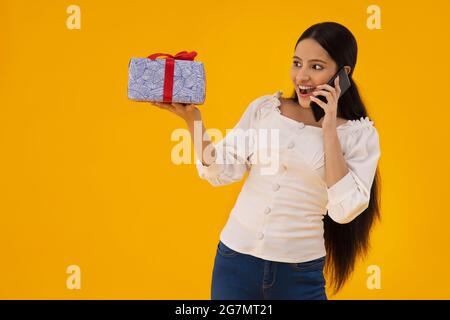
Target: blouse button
x: 291, y: 144
x: 276, y: 186
x: 261, y: 235
x: 284, y: 167
x: 301, y: 125
x: 267, y: 211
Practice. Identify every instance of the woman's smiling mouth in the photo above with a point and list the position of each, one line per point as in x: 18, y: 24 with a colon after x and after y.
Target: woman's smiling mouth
x: 305, y: 91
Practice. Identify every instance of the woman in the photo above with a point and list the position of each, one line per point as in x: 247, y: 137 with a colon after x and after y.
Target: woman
x: 315, y: 213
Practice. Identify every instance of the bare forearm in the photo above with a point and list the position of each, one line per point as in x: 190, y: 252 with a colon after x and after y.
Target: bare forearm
x: 335, y: 165
x: 202, y: 144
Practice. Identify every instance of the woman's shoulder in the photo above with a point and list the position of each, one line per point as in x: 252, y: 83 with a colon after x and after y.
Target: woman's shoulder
x: 360, y: 136
x: 363, y: 124
x: 264, y: 105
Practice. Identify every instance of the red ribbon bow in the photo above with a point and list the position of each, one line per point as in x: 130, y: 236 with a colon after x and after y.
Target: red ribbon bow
x: 169, y: 70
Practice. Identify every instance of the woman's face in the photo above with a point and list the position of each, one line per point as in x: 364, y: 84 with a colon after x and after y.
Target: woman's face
x: 311, y: 66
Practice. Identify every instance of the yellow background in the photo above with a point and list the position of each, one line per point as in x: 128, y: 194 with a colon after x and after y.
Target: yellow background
x: 86, y: 176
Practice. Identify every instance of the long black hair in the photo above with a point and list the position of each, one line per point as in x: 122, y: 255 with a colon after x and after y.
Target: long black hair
x: 344, y: 243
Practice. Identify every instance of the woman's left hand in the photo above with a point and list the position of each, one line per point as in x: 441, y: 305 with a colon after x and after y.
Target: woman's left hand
x: 330, y: 108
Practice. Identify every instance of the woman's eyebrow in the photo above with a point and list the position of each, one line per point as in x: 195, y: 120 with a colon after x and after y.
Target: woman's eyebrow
x: 311, y: 59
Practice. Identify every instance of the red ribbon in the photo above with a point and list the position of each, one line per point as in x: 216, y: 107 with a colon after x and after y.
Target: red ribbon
x: 169, y: 70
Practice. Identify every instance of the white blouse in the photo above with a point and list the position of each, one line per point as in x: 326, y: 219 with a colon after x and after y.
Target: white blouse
x: 278, y: 214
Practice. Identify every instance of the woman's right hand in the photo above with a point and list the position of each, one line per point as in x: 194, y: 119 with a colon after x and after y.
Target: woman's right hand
x: 188, y: 112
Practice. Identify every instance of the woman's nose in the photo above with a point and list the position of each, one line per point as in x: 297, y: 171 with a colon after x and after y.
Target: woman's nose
x: 301, y: 77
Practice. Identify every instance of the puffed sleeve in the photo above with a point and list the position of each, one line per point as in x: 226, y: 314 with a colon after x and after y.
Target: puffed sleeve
x: 350, y: 196
x: 233, y: 151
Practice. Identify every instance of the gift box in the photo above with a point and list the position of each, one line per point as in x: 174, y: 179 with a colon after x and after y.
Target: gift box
x: 172, y: 79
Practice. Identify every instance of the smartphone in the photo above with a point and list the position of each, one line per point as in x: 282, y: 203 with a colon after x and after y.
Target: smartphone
x: 344, y: 84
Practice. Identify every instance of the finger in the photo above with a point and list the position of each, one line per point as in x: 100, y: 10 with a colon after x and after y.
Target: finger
x: 337, y: 86
x: 326, y: 86
x: 163, y: 106
x: 157, y: 105
x: 190, y: 107
x: 319, y: 102
x: 333, y: 90
x: 327, y: 94
x: 178, y: 107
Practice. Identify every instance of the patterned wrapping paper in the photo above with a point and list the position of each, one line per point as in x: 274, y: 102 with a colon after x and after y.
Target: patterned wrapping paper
x: 146, y: 80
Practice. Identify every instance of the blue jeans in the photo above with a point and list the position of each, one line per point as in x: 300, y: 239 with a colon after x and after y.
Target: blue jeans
x: 245, y: 277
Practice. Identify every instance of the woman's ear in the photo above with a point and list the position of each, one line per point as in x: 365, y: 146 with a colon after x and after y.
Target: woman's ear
x: 347, y: 69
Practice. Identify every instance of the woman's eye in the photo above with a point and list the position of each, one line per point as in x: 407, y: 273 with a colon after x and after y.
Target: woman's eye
x: 296, y: 63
